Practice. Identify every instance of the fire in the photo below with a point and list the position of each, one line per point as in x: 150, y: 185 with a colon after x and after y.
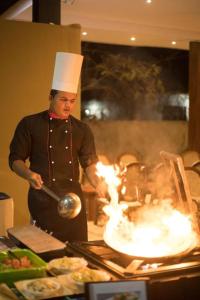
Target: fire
x: 111, y: 177
x: 155, y: 231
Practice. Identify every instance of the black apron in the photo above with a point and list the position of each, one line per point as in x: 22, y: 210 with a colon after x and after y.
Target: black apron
x: 44, y: 212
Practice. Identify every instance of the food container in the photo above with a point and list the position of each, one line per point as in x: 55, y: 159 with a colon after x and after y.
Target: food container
x: 10, y: 274
x: 65, y: 265
x: 86, y: 274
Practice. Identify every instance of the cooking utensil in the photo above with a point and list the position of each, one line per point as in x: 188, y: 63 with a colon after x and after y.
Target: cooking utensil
x: 13, y: 255
x: 151, y: 259
x: 69, y: 206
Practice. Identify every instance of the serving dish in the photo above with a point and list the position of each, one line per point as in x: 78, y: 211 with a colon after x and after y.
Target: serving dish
x: 86, y: 274
x: 47, y: 288
x: 13, y: 268
x: 65, y: 265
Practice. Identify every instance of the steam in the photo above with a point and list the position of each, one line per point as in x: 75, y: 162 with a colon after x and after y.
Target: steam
x: 154, y: 230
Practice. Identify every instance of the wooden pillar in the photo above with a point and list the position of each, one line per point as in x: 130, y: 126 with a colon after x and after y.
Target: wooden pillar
x: 46, y: 11
x: 194, y: 96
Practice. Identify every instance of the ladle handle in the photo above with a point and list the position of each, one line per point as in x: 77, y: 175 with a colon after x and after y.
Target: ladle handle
x: 49, y: 192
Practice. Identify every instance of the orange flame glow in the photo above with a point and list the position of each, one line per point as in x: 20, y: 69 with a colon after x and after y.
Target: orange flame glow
x: 155, y: 231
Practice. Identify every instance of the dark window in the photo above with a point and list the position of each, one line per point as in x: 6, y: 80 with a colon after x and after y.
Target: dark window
x: 134, y: 83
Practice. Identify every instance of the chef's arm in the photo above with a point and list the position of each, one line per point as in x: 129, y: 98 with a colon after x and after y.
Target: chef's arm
x: 34, y: 179
x: 99, y: 184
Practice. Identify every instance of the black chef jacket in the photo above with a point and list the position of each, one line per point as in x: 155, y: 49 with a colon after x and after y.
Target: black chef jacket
x: 55, y: 147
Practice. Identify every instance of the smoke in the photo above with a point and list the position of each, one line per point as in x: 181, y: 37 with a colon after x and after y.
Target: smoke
x: 160, y: 182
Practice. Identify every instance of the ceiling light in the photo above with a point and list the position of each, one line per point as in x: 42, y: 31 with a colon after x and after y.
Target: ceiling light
x: 173, y: 42
x: 148, y: 1
x: 84, y: 33
x: 132, y: 38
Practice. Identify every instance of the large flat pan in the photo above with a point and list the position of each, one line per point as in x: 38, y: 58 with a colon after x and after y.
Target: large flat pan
x: 157, y: 259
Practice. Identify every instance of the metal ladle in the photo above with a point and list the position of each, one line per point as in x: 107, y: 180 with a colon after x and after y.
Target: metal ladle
x: 69, y: 206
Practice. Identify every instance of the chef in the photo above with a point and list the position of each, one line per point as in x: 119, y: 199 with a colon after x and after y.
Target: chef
x: 55, y: 143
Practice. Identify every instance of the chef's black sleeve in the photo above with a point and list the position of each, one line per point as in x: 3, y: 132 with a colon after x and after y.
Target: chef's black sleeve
x: 87, y: 153
x: 20, y: 146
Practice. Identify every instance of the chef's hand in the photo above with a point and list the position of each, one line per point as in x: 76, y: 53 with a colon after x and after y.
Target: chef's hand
x: 35, y: 180
x: 97, y: 182
x: 20, y: 168
x: 101, y: 189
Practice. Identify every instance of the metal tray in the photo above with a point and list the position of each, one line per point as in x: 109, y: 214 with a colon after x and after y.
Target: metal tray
x: 38, y: 268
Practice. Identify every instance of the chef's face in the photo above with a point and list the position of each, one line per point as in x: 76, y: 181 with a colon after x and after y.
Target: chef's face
x: 62, y: 103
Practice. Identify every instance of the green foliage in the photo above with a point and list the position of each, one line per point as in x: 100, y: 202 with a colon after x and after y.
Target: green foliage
x: 134, y: 85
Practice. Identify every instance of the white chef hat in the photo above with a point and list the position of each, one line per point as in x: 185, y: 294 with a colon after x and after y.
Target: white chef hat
x: 67, y: 72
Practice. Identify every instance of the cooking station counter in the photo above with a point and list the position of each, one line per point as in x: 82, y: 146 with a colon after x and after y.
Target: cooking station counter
x: 124, y: 266
x: 175, y: 278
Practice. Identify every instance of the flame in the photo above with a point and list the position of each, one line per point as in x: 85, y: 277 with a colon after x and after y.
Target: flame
x: 155, y: 231
x: 111, y: 176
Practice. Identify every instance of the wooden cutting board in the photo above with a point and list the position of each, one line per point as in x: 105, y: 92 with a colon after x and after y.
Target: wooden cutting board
x: 36, y: 239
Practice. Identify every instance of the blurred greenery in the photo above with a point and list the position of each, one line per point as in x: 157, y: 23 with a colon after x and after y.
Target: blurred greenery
x: 131, y: 86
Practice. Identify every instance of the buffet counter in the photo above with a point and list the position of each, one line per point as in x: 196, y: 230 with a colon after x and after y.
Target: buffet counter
x: 36, y: 266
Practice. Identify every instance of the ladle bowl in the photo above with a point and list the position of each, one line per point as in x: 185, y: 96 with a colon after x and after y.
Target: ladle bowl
x: 69, y: 206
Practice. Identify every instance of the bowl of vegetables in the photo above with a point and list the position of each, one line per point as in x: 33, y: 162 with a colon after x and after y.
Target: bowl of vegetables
x: 18, y: 264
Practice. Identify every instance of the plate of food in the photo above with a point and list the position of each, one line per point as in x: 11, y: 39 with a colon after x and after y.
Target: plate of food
x: 65, y: 265
x: 19, y: 264
x: 88, y: 275
x: 41, y: 288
